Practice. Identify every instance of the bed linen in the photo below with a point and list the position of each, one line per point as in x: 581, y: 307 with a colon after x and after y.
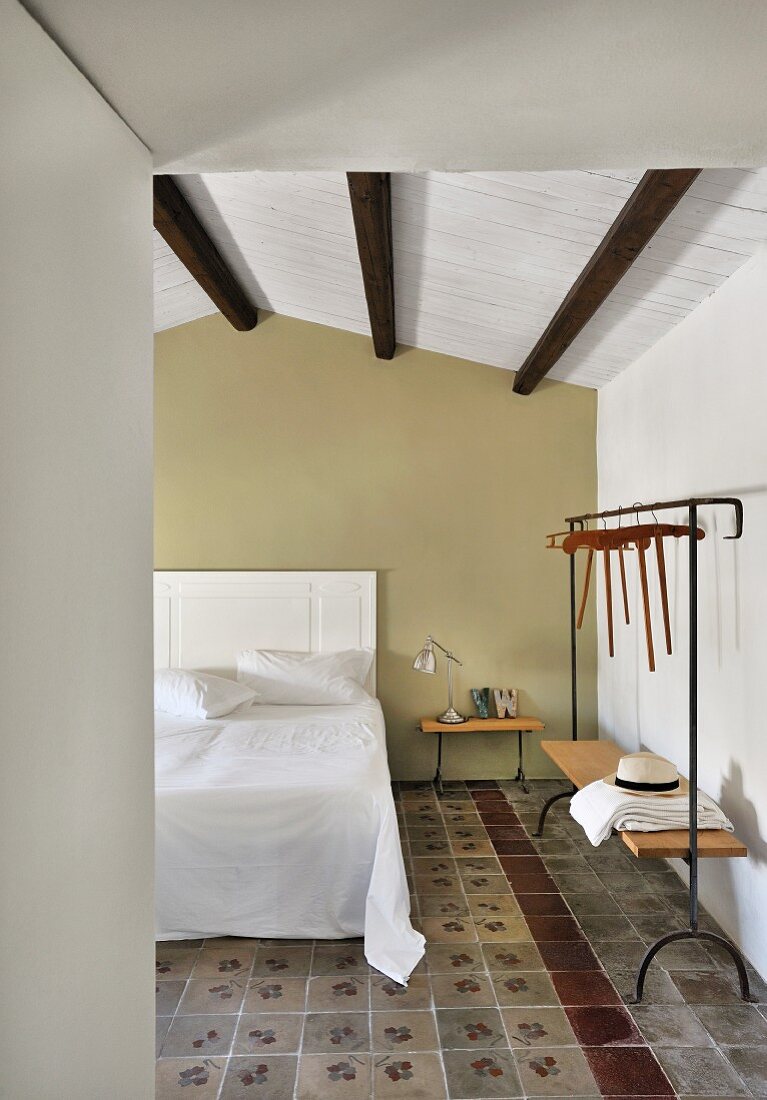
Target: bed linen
x: 279, y: 822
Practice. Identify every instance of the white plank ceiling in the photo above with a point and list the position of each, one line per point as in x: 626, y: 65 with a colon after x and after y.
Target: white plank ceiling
x: 482, y: 260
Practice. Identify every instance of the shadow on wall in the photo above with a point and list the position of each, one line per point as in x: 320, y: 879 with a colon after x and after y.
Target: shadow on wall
x: 742, y: 813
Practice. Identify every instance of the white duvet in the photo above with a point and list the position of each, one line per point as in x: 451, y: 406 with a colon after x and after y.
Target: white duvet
x: 278, y: 821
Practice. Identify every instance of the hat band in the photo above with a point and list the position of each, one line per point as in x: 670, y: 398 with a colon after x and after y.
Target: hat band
x: 631, y: 786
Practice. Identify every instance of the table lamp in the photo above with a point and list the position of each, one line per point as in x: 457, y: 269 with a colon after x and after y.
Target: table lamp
x: 426, y: 661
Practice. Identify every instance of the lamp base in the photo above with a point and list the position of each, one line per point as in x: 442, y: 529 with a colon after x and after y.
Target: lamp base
x: 451, y: 717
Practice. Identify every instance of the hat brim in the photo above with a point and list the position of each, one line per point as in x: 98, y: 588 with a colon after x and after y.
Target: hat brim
x: 683, y: 788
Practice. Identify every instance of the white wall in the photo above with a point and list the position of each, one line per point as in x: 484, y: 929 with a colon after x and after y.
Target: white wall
x: 76, y: 813
x: 688, y: 418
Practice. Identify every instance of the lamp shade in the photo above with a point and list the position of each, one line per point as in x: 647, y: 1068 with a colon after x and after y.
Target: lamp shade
x: 426, y: 661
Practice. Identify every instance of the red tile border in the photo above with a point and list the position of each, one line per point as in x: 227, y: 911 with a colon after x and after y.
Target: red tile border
x: 627, y: 1071
x: 603, y: 1026
x: 584, y: 987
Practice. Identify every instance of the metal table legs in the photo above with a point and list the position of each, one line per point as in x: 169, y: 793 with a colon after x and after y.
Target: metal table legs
x: 547, y: 806
x: 520, y: 777
x: 438, y: 772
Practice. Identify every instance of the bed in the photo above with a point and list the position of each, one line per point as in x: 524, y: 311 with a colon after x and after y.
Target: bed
x: 276, y: 821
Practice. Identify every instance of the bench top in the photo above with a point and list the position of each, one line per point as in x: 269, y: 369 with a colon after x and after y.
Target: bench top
x: 584, y: 762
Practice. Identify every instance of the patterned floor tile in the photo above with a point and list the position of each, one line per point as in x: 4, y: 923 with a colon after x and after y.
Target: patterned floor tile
x: 336, y: 993
x: 199, y: 1036
x: 324, y: 1075
x: 174, y: 964
x: 443, y: 905
x: 397, y: 1031
x: 453, y: 991
x: 524, y: 988
x: 504, y: 927
x: 448, y: 959
x: 223, y: 964
x: 263, y: 1076
x: 268, y: 1033
x: 448, y: 930
x: 386, y: 994
x: 702, y: 1072
x: 470, y: 1029
x: 481, y: 1073
x: 555, y: 1071
x: 212, y: 995
x: 486, y: 905
x: 276, y: 994
x: 512, y: 956
x: 329, y: 959
x: 440, y: 883
x: 485, y: 884
x: 536, y: 1027
x: 174, y: 1075
x: 167, y: 996
x: 336, y: 1032
x: 412, y: 1076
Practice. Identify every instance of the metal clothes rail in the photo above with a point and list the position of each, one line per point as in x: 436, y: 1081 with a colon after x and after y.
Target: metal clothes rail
x: 691, y: 504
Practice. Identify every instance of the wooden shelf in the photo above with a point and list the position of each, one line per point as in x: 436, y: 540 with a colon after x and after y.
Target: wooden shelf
x: 584, y: 762
x: 483, y: 725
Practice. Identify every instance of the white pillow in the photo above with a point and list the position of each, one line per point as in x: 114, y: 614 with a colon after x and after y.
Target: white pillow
x: 189, y: 694
x: 310, y: 679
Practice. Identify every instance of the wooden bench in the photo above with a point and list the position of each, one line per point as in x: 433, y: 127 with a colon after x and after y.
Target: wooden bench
x: 584, y: 762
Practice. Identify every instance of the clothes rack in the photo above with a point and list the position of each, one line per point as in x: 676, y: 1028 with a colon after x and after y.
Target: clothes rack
x: 691, y: 504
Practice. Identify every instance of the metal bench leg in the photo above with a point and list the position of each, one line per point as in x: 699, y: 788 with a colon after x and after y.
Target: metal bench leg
x: 547, y: 806
x: 689, y: 934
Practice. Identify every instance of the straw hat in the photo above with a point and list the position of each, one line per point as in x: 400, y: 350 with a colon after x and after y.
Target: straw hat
x: 648, y: 776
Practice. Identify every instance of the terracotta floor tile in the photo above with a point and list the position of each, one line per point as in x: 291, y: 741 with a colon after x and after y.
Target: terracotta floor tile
x: 522, y: 865
x: 532, y: 884
x: 584, y: 987
x: 628, y: 1071
x: 548, y: 905
x: 487, y: 796
x: 499, y: 817
x: 520, y: 847
x: 603, y: 1026
x: 568, y: 955
x: 505, y: 832
x: 554, y: 928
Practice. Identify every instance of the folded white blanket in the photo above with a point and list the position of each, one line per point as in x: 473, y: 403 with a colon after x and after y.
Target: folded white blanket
x: 599, y: 808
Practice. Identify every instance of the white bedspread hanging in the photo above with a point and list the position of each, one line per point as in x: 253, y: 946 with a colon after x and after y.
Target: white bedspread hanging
x: 280, y: 822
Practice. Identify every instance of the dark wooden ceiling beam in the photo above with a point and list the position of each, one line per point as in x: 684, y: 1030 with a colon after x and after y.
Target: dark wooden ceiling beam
x: 182, y: 230
x: 370, y: 194
x: 653, y: 199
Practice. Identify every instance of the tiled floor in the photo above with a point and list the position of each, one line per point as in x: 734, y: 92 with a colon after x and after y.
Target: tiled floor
x: 532, y: 947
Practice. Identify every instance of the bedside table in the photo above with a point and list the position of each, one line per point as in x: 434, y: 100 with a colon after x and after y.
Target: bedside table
x: 483, y: 725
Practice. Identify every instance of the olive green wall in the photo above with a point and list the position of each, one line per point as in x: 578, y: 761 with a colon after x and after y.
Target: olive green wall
x: 292, y: 447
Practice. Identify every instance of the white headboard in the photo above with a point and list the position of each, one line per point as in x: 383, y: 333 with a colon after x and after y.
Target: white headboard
x: 202, y: 620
